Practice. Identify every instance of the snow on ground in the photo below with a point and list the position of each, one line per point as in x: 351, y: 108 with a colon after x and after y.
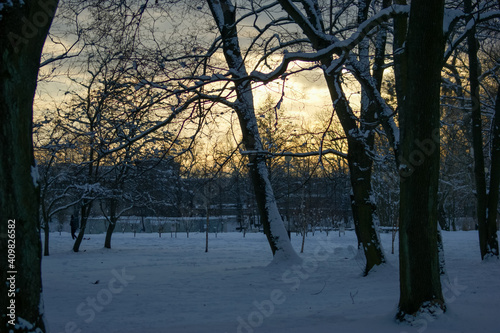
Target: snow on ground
x: 151, y: 284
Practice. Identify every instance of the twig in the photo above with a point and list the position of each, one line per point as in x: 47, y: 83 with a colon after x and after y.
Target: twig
x: 319, y: 292
x: 352, y: 296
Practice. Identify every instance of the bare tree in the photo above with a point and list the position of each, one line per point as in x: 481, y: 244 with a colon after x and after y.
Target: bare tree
x: 224, y: 14
x: 360, y: 131
x: 57, y: 191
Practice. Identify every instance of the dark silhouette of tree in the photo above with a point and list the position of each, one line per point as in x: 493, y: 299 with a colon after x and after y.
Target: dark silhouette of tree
x: 24, y: 26
x: 420, y: 284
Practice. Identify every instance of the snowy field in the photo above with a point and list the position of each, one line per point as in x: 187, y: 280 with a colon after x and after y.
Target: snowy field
x: 151, y: 284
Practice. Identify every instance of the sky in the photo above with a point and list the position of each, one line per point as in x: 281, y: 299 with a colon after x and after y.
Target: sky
x: 306, y: 98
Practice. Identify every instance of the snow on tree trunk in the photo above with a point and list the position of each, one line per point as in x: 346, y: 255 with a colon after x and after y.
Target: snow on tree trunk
x: 360, y: 167
x: 360, y: 139
x: 224, y: 15
x: 23, y: 27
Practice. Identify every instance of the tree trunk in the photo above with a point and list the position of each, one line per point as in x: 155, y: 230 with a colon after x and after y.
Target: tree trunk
x: 85, y: 212
x: 363, y: 208
x: 109, y: 233
x: 239, y: 202
x: 494, y: 192
x: 420, y: 285
x: 359, y: 139
x: 360, y: 164
x: 46, y: 230
x: 113, y: 203
x: 224, y: 14
x: 360, y: 169
x: 442, y: 219
x: 379, y: 60
x: 207, y: 226
x: 400, y: 55
x: 304, y: 233
x: 46, y: 242
x: 23, y: 32
x: 488, y: 242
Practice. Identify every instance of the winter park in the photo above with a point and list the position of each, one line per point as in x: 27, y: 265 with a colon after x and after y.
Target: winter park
x: 249, y: 166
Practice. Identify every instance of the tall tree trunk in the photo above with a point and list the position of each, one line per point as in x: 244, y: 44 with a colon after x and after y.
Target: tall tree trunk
x: 224, y: 15
x: 363, y: 208
x: 360, y: 138
x: 400, y: 54
x: 488, y: 242
x: 420, y: 285
x: 494, y: 192
x: 361, y: 164
x: 360, y: 170
x: 23, y: 29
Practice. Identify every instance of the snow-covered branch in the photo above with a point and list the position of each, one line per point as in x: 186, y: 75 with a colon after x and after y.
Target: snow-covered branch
x: 284, y: 154
x: 333, y: 45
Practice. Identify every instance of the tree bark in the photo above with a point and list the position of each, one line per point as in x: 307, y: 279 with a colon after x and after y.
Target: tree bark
x: 360, y: 141
x: 113, y: 205
x: 224, y: 14
x: 23, y: 32
x: 46, y: 232
x: 360, y: 163
x: 109, y: 232
x: 84, y: 216
x: 420, y: 285
x: 488, y: 241
x: 360, y: 138
x: 494, y: 192
x: 360, y: 169
x: 379, y: 60
x: 400, y: 54
x: 45, y: 219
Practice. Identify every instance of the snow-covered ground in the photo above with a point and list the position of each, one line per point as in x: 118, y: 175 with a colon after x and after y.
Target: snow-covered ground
x: 151, y: 284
